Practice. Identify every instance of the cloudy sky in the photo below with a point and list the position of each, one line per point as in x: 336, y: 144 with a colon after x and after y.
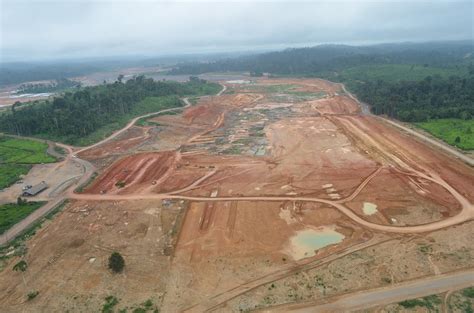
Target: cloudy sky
x: 42, y: 29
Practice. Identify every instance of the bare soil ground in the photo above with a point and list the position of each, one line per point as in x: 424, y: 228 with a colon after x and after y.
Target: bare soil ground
x: 58, y: 176
x: 67, y: 259
x: 231, y: 254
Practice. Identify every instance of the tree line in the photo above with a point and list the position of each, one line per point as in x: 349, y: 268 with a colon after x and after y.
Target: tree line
x: 81, y: 112
x: 312, y: 61
x: 417, y: 101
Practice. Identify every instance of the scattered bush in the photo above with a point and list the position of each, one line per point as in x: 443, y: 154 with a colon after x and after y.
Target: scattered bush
x: 32, y: 295
x: 116, y: 262
x: 468, y: 292
x: 120, y: 184
x: 110, y: 303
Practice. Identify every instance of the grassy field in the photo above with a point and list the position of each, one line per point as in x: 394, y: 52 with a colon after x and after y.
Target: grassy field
x: 16, y: 157
x: 12, y: 213
x: 449, y: 129
x: 23, y: 151
x: 10, y: 173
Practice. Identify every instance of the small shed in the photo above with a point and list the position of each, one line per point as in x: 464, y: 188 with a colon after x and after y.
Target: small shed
x: 36, y: 189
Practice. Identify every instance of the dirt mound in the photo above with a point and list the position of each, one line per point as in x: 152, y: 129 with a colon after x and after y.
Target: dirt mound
x: 134, y: 172
x: 336, y: 105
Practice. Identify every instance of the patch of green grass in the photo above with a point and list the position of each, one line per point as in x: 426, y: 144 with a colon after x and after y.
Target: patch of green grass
x: 429, y: 302
x: 450, y: 129
x: 12, y: 213
x: 16, y: 157
x: 468, y: 292
x: 10, y: 173
x: 23, y: 151
x: 110, y: 303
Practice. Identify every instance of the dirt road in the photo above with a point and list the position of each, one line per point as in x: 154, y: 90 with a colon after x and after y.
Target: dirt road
x: 462, y: 217
x: 386, y: 295
x: 366, y: 110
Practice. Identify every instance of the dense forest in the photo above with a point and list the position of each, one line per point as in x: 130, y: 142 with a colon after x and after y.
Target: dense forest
x: 313, y: 60
x: 77, y: 114
x: 417, y: 101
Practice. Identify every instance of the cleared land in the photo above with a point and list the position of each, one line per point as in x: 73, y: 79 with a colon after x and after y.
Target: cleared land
x: 277, y: 191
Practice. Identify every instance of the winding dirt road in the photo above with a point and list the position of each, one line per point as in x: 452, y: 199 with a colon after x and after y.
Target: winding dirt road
x: 386, y: 295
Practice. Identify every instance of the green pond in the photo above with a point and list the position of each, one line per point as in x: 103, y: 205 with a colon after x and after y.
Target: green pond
x: 306, y: 242
x: 369, y: 208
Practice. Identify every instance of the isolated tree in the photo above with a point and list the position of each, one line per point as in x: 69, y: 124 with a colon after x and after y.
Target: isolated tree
x: 457, y: 140
x: 21, y: 267
x: 21, y: 201
x: 116, y: 262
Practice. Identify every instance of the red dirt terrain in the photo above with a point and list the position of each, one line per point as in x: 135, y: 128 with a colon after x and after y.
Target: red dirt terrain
x: 128, y: 174
x: 253, y: 175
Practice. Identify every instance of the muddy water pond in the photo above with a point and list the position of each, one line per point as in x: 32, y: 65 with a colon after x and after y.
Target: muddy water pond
x: 307, y: 241
x: 369, y: 208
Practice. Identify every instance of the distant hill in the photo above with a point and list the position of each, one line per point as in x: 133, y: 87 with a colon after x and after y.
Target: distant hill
x: 308, y: 61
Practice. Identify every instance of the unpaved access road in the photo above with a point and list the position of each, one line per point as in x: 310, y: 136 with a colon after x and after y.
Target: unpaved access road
x: 366, y: 110
x: 386, y: 295
x: 462, y: 217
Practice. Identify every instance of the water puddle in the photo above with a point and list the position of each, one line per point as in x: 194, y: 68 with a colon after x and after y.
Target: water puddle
x: 305, y: 243
x: 369, y: 208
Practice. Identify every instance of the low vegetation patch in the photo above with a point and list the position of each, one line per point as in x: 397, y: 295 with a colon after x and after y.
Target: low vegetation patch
x: 120, y: 184
x: 11, y: 173
x: 23, y: 151
x: 456, y: 132
x: 32, y: 295
x: 110, y: 303
x: 12, y: 213
x: 468, y: 292
x: 428, y: 302
x: 17, y: 156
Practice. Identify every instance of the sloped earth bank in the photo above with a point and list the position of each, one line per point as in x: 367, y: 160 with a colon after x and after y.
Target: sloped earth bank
x: 208, y: 204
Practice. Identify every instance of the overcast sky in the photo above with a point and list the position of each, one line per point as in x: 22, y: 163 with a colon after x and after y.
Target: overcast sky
x: 33, y: 30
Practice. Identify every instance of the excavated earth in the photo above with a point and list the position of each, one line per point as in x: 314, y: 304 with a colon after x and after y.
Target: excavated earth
x: 206, y: 206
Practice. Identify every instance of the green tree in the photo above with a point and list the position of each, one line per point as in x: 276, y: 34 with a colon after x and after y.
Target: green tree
x: 21, y: 201
x: 116, y: 262
x: 457, y: 140
x: 21, y: 267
